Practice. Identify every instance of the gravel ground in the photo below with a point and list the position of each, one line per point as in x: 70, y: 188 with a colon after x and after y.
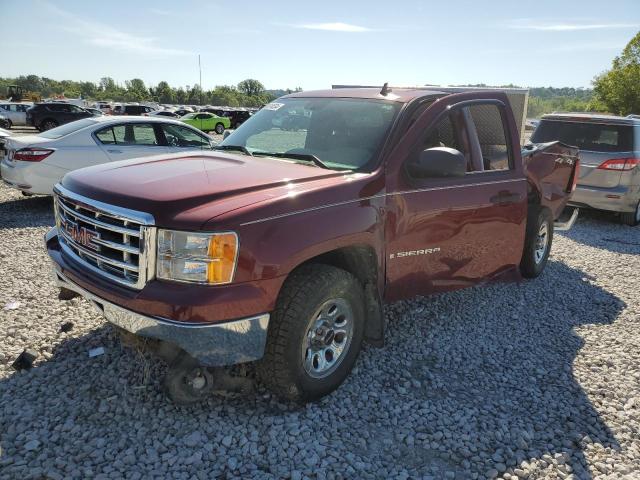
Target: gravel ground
x: 533, y: 380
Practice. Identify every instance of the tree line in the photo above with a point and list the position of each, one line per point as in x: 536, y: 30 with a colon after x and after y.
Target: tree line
x: 247, y: 93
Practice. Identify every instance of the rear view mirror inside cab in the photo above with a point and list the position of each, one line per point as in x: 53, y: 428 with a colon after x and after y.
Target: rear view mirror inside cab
x: 438, y: 162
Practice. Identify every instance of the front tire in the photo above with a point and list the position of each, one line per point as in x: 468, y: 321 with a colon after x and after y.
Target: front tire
x: 219, y: 129
x: 631, y: 218
x: 537, y: 243
x: 315, y: 333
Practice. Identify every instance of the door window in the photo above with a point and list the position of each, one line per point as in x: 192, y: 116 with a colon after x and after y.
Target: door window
x: 178, y: 136
x: 492, y: 137
x: 59, y: 108
x: 477, y: 132
x: 129, y: 134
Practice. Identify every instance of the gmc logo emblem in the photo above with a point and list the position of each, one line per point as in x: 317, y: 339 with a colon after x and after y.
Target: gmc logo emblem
x: 80, y: 234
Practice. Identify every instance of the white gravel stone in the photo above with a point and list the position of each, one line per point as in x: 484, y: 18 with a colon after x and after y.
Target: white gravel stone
x: 538, y: 380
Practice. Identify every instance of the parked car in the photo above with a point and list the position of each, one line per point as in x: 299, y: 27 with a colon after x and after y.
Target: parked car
x: 35, y: 163
x: 236, y: 116
x: 104, y: 107
x: 45, y: 116
x: 283, y: 245
x: 610, y: 154
x: 15, y: 113
x: 183, y: 111
x: 207, y: 122
x: 4, y: 134
x: 132, y: 110
x: 164, y: 113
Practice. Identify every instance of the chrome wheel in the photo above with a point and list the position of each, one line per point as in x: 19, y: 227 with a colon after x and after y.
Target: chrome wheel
x: 638, y: 213
x: 329, y: 335
x: 542, y: 241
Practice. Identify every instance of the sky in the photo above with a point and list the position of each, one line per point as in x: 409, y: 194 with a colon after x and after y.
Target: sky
x: 312, y: 45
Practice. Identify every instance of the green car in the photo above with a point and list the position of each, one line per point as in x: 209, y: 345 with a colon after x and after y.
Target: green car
x: 207, y: 122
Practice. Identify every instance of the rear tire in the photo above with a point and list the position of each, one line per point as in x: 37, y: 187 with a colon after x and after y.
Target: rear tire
x: 315, y: 333
x: 219, y: 128
x: 631, y: 218
x: 9, y: 124
x: 48, y: 124
x: 537, y: 243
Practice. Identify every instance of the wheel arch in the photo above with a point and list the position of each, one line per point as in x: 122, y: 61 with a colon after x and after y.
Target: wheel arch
x: 361, y: 261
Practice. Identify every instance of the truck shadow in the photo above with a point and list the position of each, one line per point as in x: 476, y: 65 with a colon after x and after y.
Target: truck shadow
x: 499, y: 382
x: 21, y: 212
x: 488, y: 373
x: 603, y: 230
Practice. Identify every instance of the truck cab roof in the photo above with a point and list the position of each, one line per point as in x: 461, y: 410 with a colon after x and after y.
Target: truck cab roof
x: 400, y: 95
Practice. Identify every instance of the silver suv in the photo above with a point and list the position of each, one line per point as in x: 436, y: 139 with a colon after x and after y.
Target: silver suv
x: 609, y: 159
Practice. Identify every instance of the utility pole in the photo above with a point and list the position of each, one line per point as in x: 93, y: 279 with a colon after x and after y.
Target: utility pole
x: 200, y: 68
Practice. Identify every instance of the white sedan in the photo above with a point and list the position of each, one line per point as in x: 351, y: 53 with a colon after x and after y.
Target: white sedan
x: 35, y: 163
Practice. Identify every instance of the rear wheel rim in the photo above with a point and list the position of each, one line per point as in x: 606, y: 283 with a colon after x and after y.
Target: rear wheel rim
x: 328, y: 338
x: 542, y: 242
x: 638, y: 213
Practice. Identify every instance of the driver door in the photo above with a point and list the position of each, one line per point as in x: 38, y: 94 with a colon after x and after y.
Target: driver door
x: 445, y: 233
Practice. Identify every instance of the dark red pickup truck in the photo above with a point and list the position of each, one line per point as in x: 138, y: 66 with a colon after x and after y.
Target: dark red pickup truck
x: 282, y: 246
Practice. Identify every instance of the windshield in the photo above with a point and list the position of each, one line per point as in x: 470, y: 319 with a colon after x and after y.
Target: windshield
x: 67, y: 128
x: 339, y: 132
x: 594, y: 137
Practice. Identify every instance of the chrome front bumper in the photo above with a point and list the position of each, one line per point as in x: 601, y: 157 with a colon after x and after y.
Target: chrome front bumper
x: 219, y: 344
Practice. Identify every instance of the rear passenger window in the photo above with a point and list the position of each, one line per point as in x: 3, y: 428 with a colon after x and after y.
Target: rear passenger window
x: 490, y: 128
x: 135, y: 134
x: 106, y: 136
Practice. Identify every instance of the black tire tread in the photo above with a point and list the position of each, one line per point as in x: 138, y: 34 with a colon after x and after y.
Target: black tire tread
x: 272, y: 368
x: 528, y: 266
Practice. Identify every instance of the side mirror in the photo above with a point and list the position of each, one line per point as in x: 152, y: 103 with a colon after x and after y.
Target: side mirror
x: 439, y: 162
x: 226, y: 134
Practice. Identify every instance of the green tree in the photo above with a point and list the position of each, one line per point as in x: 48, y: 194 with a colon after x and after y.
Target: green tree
x: 164, y: 93
x: 251, y: 87
x: 181, y: 95
x: 619, y: 88
x: 224, y: 95
x: 136, y: 90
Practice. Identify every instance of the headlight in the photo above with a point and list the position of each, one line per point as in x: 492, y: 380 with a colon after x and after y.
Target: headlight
x: 197, y: 257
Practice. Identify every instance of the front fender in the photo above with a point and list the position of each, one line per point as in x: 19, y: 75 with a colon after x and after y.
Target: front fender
x: 273, y: 247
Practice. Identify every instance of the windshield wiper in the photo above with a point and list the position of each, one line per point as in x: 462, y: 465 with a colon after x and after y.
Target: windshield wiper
x: 237, y: 148
x: 302, y: 156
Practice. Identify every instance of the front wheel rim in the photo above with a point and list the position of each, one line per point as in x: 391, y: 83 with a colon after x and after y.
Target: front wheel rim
x: 328, y: 338
x: 542, y: 242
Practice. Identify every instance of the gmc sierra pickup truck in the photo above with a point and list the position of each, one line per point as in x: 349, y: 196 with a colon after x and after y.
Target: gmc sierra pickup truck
x: 283, y: 245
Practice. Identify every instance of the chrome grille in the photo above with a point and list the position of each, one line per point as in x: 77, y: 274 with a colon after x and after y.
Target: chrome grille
x: 113, y: 242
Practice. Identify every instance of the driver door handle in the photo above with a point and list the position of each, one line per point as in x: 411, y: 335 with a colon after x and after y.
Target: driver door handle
x: 113, y: 150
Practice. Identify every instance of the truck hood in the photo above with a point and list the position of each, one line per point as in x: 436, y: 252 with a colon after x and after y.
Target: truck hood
x: 188, y: 190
